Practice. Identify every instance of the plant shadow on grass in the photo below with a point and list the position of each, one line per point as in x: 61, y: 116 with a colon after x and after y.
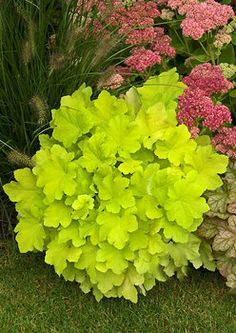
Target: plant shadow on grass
x: 33, y: 299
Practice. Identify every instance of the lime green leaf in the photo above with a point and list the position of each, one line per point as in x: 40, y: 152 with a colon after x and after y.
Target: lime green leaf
x: 208, y: 165
x: 116, y: 229
x: 145, y: 262
x: 141, y: 179
x: 147, y: 207
x: 55, y: 172
x: 154, y: 121
x: 115, y: 193
x: 89, y: 227
x: 25, y: 192
x: 144, y: 155
x: 130, y: 166
x: 87, y: 260
x: 181, y: 253
x: 161, y: 182
x: 107, y: 107
x: 79, y: 99
x: 57, y: 213
x: 46, y: 141
x: 82, y: 206
x: 72, y: 122
x: 138, y: 240
x: 112, y: 257
x: 174, y: 231
x: 30, y: 234
x: 156, y: 245
x: 107, y: 280
x: 165, y: 87
x: 127, y: 289
x: 71, y: 233
x: 70, y: 273
x: 205, y: 251
x: 84, y: 182
x: 73, y: 118
x: 57, y: 254
x: 174, y: 145
x: 96, y: 152
x: 123, y: 135
x: 184, y: 203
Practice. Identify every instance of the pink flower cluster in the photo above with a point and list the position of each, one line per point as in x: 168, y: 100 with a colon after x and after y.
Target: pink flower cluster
x: 196, y: 106
x: 142, y: 58
x: 225, y: 141
x: 140, y: 15
x: 162, y: 43
x: 141, y: 36
x: 209, y: 79
x: 136, y: 24
x: 200, y: 17
x: 197, y: 109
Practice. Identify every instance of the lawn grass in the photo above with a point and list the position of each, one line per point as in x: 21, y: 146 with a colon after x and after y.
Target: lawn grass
x: 33, y: 299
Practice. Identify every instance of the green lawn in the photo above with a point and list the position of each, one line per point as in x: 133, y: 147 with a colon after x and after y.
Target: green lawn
x: 33, y: 299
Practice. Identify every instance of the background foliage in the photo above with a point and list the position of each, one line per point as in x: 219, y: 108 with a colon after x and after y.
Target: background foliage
x: 47, y: 49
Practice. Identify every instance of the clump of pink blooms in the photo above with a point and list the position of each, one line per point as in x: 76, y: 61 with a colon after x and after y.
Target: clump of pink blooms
x: 209, y: 79
x: 198, y: 111
x: 136, y: 24
x: 225, y: 141
x: 162, y: 43
x: 200, y: 17
x: 142, y: 58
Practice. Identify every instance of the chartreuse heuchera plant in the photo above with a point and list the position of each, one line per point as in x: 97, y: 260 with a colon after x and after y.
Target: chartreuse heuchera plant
x: 116, y: 192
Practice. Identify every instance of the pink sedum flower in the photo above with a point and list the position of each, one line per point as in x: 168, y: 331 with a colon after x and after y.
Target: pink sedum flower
x: 142, y: 58
x: 217, y: 118
x: 225, y: 141
x: 191, y: 28
x: 201, y: 17
x: 140, y: 14
x: 176, y: 4
x: 194, y: 106
x: 141, y: 36
x: 197, y: 109
x: 208, y: 78
x: 162, y: 44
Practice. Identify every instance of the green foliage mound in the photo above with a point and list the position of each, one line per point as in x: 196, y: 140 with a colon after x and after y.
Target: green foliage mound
x: 115, y: 195
x: 219, y: 225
